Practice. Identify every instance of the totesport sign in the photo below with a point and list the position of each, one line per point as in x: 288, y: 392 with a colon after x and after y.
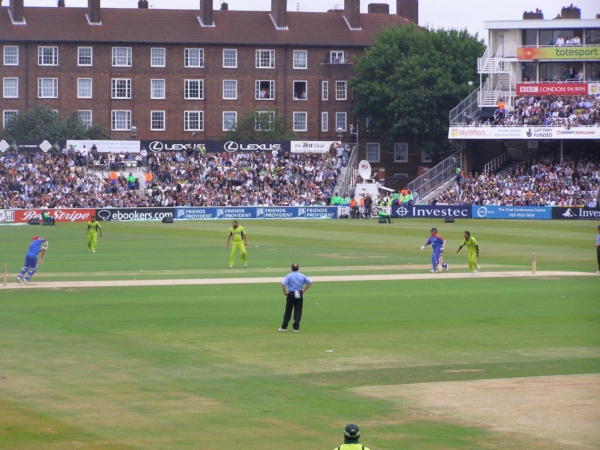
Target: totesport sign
x: 523, y: 132
x: 577, y: 52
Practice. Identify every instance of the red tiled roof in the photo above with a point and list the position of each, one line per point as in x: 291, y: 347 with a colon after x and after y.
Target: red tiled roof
x: 182, y: 26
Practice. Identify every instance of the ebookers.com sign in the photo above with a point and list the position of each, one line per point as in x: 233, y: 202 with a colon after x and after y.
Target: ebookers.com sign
x: 127, y: 214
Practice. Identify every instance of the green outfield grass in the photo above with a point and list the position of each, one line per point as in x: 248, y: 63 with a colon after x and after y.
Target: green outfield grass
x: 187, y: 367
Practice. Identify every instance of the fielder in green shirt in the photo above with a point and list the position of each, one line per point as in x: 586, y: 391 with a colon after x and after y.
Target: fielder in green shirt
x: 473, y: 248
x: 238, y: 235
x: 351, y: 436
x: 93, y: 228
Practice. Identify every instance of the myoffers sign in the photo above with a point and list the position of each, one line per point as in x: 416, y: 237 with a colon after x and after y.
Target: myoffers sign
x: 531, y: 53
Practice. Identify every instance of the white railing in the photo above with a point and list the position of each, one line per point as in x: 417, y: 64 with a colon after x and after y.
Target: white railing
x: 496, y: 163
x: 350, y: 175
x: 436, y: 176
x: 465, y: 109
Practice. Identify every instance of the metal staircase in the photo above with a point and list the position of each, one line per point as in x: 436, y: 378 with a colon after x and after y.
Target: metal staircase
x: 500, y: 83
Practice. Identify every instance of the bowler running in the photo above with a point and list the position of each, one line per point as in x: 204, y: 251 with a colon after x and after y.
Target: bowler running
x: 473, y: 249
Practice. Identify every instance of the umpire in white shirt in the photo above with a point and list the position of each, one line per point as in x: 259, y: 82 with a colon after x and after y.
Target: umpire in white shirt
x: 294, y: 285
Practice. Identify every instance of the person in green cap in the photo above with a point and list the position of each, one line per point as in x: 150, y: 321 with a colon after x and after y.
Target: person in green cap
x: 351, y: 436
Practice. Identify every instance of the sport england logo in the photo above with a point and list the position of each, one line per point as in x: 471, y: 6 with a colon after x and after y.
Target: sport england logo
x: 569, y: 214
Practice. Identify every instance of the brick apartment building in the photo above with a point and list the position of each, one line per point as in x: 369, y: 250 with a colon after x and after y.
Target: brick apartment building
x: 171, y: 74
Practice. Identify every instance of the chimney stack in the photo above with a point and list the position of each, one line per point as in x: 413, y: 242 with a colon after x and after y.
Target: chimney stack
x: 409, y: 9
x: 206, y: 13
x: 94, y: 11
x: 379, y: 8
x: 533, y: 15
x: 142, y: 4
x: 224, y: 6
x: 352, y: 13
x: 279, y: 13
x: 61, y: 3
x: 570, y: 12
x: 16, y: 10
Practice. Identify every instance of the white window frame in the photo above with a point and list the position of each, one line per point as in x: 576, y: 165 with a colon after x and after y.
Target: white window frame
x: 341, y: 94
x: 7, y: 57
x: 257, y: 90
x: 372, y: 147
x: 125, y: 119
x: 158, y: 57
x: 229, y: 90
x: 188, y: 57
x: 158, y: 116
x: 158, y: 88
x: 188, y: 89
x: 230, y: 61
x: 80, y: 56
x: 305, y: 90
x: 43, y: 86
x: 82, y: 90
x: 300, y: 59
x: 400, y: 152
x: 47, y: 56
x: 116, y: 89
x: 85, y: 121
x: 338, y: 55
x: 122, y: 57
x: 257, y: 123
x: 262, y: 63
x: 12, y: 113
x: 338, y: 122
x: 325, y: 90
x: 187, y: 119
x: 325, y: 121
x: 426, y: 157
x: 233, y: 122
x: 300, y: 116
x: 10, y: 91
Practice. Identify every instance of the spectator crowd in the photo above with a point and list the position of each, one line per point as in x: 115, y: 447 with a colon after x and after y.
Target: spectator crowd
x: 550, y: 111
x: 64, y: 180
x: 540, y: 182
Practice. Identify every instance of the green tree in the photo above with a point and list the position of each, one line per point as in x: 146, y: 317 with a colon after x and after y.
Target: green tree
x: 255, y: 125
x: 43, y: 123
x: 411, y: 78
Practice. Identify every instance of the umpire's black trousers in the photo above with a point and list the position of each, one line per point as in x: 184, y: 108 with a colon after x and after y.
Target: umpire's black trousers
x: 294, y: 302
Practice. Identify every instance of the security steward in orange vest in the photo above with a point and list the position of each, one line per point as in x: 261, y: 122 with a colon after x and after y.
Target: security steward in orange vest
x: 351, y: 435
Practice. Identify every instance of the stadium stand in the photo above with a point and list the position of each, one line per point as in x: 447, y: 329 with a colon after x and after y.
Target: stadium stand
x: 541, y: 182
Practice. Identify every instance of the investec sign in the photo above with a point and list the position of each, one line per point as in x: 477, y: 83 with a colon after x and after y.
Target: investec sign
x: 426, y: 211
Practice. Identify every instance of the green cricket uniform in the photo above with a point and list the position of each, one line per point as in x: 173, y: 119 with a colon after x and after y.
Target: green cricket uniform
x: 237, y: 237
x: 473, y: 249
x: 93, y: 227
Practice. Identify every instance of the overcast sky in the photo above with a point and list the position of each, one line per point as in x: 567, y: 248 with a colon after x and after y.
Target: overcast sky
x: 469, y: 14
